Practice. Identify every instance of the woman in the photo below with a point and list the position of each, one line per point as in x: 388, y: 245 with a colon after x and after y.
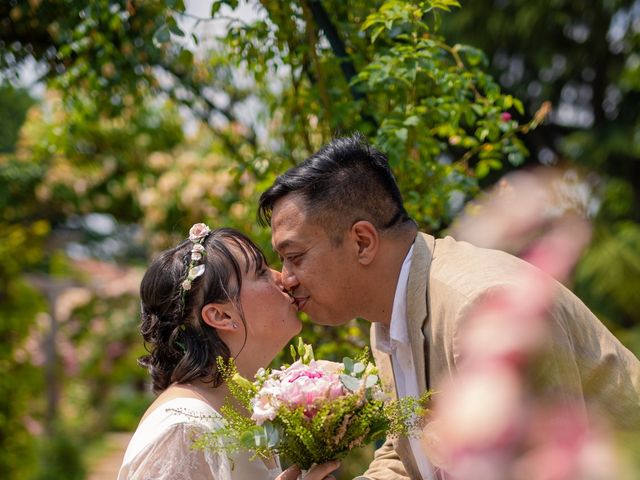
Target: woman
x: 212, y: 295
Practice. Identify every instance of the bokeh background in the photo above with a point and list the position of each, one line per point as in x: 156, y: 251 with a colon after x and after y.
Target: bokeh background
x: 124, y: 122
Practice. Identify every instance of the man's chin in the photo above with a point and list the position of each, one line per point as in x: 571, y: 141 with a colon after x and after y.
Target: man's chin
x: 327, y: 321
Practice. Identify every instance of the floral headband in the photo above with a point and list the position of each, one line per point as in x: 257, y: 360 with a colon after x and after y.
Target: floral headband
x: 197, y: 234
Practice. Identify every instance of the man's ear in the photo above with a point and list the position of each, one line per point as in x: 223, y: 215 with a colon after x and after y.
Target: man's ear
x: 219, y: 315
x: 367, y: 240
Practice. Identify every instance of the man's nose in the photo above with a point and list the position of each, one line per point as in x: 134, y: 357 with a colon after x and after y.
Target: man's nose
x: 288, y: 279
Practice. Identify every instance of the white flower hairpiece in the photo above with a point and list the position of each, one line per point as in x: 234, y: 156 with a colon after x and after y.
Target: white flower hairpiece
x: 197, y: 234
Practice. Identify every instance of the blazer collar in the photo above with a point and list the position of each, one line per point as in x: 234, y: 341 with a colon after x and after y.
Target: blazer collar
x: 417, y: 310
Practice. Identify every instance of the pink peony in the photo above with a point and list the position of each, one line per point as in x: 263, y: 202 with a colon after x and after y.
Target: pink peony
x: 300, y: 385
x: 309, y: 385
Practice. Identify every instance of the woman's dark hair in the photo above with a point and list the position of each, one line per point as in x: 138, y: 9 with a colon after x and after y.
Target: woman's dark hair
x: 347, y: 180
x: 181, y: 346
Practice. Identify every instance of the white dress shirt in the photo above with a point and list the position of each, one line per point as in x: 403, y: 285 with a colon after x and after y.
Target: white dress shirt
x: 394, y: 340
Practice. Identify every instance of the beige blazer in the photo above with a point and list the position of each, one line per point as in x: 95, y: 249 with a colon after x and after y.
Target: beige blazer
x: 446, y: 278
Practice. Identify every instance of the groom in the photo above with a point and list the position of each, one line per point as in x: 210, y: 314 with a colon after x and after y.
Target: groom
x: 349, y: 249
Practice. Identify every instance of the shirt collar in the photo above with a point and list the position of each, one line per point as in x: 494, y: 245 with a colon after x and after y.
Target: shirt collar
x: 388, y: 338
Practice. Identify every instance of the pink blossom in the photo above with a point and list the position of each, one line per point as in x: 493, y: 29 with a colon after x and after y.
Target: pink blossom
x: 264, y: 408
x: 308, y: 385
x: 300, y: 385
x: 491, y: 421
x: 505, y: 116
x: 198, y: 231
x: 484, y: 409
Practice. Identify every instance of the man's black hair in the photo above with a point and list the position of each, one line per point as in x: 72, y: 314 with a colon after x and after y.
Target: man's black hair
x: 346, y: 181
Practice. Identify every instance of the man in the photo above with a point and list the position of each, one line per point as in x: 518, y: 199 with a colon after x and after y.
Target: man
x: 349, y: 249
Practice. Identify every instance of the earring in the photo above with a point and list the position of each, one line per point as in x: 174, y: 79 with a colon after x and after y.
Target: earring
x: 234, y: 325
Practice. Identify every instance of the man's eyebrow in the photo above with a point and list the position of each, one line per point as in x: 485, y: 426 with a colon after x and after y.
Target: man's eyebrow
x: 283, y: 244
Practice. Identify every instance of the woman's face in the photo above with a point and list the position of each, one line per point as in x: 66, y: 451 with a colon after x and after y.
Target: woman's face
x: 269, y: 312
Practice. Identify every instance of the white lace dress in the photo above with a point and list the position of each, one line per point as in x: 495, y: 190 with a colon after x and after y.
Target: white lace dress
x: 160, y: 448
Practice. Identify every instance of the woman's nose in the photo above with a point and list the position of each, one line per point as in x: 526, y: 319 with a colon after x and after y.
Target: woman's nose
x: 277, y: 278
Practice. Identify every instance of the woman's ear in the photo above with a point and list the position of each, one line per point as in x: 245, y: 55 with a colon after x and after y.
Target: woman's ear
x: 367, y: 241
x: 220, y: 316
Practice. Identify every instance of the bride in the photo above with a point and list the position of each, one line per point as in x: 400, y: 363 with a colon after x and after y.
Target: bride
x: 212, y: 295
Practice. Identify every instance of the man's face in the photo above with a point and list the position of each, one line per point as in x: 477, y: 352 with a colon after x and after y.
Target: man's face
x: 318, y: 274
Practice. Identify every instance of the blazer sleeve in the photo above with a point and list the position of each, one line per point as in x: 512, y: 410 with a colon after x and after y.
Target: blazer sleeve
x: 587, y: 356
x: 386, y: 465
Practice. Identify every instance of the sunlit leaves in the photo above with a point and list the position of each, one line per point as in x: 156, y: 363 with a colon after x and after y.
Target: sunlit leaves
x: 442, y: 117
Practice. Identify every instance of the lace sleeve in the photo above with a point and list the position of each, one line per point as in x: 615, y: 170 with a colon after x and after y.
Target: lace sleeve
x: 172, y: 457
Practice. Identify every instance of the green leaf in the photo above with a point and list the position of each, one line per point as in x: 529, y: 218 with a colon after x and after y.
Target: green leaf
x: 255, y: 437
x: 517, y: 103
x: 162, y: 35
x: 371, y: 20
x: 215, y: 7
x: 402, y: 134
x: 272, y: 433
x: 482, y: 169
x: 174, y: 28
x: 348, y: 365
x: 473, y: 56
x: 376, y: 33
x: 185, y: 58
x: 412, y: 121
x: 358, y: 368
x: 352, y: 384
x: 371, y: 381
x: 515, y: 158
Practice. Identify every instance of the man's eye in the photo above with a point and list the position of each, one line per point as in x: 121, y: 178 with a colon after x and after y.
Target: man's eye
x: 293, y: 258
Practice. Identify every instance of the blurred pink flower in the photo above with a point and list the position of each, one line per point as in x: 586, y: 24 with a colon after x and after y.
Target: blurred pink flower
x: 500, y: 329
x: 33, y: 426
x: 563, y: 445
x: 480, y: 411
x: 489, y: 421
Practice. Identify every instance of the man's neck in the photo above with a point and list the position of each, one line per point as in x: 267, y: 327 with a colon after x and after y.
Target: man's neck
x: 388, y: 273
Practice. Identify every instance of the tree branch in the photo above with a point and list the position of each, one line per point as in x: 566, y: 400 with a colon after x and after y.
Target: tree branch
x: 211, y: 107
x: 323, y: 21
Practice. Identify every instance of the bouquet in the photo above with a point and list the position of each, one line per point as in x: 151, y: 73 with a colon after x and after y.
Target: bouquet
x: 311, y: 411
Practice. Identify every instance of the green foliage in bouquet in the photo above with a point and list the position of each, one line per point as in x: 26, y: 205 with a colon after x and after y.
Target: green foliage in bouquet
x: 311, y: 411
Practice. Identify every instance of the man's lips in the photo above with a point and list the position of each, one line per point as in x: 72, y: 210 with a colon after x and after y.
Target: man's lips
x: 300, y: 302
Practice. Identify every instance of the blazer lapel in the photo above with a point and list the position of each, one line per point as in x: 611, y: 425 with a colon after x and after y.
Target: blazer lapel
x: 417, y: 311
